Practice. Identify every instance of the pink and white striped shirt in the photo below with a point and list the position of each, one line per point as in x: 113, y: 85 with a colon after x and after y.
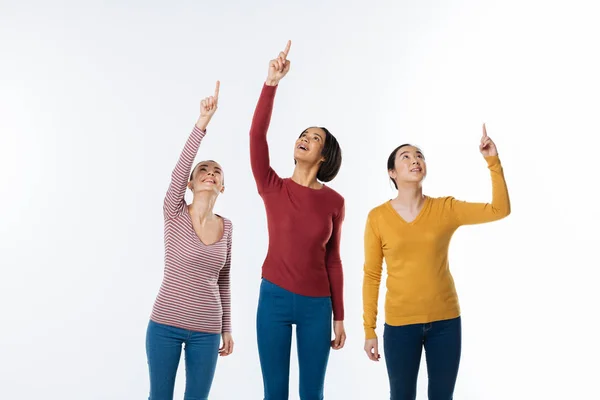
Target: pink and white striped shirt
x: 195, y: 291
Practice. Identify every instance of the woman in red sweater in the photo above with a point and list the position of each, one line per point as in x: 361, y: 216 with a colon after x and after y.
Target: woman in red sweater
x: 302, y: 281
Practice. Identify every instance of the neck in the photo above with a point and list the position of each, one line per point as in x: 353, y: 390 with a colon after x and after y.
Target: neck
x: 410, y: 195
x: 202, y: 206
x: 306, y: 175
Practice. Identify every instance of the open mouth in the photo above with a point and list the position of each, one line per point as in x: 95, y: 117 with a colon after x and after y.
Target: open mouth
x: 416, y: 170
x: 209, y: 180
x: 302, y: 147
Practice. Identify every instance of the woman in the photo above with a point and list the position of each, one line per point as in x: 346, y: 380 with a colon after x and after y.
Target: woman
x: 412, y: 232
x: 302, y: 274
x: 193, y: 306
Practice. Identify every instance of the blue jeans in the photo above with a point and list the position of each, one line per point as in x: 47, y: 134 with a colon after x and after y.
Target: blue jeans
x: 163, y: 348
x: 402, y: 346
x: 278, y: 310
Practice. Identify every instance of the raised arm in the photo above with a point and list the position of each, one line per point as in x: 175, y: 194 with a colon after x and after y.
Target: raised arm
x: 467, y: 213
x: 264, y: 175
x: 174, y: 199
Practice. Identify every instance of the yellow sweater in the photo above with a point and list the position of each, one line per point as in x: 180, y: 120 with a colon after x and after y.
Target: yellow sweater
x: 420, y: 287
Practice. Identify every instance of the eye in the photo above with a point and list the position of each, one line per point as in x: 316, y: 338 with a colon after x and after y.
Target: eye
x: 421, y: 156
x: 218, y: 172
x: 202, y: 169
x: 317, y: 138
x: 405, y: 156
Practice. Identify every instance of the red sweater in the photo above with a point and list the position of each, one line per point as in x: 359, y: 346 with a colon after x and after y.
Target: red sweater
x: 304, y: 224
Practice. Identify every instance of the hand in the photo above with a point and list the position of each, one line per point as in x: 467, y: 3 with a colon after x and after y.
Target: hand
x: 372, y: 349
x: 227, y: 347
x: 208, y: 107
x: 340, y: 335
x: 487, y: 146
x: 279, y: 66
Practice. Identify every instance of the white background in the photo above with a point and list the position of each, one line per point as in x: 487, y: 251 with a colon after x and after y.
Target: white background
x: 97, y: 100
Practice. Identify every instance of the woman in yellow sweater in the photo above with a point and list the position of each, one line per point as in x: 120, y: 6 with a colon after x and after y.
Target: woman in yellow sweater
x: 412, y: 232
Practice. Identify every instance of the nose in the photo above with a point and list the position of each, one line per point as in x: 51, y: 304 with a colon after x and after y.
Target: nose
x: 211, y: 173
x: 304, y: 139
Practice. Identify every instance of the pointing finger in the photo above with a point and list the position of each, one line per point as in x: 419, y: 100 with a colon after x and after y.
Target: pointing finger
x: 287, y: 48
x: 217, y: 89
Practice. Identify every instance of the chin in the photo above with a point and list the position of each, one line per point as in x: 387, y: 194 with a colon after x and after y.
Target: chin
x: 415, y: 179
x: 301, y: 156
x: 211, y: 188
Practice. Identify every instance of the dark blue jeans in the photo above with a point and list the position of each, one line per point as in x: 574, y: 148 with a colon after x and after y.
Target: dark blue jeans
x: 278, y: 310
x: 163, y: 348
x: 402, y: 346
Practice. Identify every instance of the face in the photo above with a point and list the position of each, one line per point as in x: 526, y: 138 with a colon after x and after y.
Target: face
x: 207, y: 176
x: 309, y: 146
x: 409, y: 165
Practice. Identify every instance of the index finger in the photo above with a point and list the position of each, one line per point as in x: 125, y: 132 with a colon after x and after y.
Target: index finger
x: 217, y: 90
x: 484, y: 131
x: 287, y: 48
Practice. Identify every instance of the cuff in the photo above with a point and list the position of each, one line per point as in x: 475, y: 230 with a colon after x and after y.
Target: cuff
x: 492, y: 161
x: 199, y: 131
x: 370, y: 334
x: 270, y: 89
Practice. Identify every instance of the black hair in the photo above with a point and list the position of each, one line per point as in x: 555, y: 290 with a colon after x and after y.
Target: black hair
x: 391, y: 162
x: 332, y: 154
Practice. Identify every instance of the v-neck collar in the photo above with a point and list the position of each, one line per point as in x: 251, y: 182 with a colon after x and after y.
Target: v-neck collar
x: 189, y: 217
x: 417, y: 218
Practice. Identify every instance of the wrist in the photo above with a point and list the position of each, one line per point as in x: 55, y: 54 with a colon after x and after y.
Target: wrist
x: 202, y: 123
x: 271, y: 82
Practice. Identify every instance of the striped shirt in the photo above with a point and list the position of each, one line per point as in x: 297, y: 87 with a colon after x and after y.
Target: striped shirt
x: 195, y: 291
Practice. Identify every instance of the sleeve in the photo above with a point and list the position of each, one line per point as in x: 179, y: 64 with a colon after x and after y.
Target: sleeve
x: 266, y: 178
x: 174, y: 199
x: 333, y: 263
x: 372, y: 276
x: 224, y: 283
x: 466, y: 213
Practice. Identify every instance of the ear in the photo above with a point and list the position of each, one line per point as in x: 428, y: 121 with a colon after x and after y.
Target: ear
x: 222, y: 189
x: 392, y: 174
x: 189, y: 186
